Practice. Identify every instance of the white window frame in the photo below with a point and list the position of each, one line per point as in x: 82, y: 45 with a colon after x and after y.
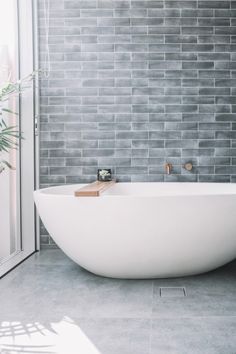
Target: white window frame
x: 27, y: 111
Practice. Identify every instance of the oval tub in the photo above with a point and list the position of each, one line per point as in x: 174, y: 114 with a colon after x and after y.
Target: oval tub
x: 144, y: 230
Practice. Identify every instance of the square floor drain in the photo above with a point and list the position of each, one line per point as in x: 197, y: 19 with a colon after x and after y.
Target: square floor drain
x: 173, y: 291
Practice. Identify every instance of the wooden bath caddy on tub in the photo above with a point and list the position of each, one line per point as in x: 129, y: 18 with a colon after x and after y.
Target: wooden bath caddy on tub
x: 94, y: 189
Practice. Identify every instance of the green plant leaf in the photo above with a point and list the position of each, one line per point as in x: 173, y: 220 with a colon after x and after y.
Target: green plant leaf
x: 6, y: 163
x: 10, y: 135
x: 9, y: 111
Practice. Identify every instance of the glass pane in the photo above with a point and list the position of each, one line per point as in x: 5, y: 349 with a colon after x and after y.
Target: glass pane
x: 9, y: 179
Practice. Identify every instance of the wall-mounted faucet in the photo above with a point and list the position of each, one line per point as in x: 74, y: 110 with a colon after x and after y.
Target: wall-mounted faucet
x: 188, y: 166
x: 168, y: 168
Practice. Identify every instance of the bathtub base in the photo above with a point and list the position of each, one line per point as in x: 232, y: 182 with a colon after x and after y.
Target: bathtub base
x: 151, y: 272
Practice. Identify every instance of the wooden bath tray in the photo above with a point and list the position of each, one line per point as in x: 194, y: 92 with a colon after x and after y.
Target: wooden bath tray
x: 94, y: 189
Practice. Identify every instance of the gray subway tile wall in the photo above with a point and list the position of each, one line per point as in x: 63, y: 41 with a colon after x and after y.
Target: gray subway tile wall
x: 136, y: 84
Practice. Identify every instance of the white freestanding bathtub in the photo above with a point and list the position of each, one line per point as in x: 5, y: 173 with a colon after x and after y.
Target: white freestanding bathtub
x: 144, y: 230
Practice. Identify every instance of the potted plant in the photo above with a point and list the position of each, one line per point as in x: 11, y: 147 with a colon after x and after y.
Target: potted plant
x: 104, y: 175
x: 10, y: 135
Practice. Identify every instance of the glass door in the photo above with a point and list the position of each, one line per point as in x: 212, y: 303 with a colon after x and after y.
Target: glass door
x: 17, y: 219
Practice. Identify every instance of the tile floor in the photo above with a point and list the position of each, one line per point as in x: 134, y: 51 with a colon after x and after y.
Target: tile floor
x: 50, y: 305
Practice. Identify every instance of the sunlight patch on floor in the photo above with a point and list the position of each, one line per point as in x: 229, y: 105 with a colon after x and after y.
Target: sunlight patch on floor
x: 36, y: 338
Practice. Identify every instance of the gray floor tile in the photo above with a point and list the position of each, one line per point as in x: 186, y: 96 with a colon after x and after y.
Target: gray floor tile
x: 119, y: 336
x: 49, y: 257
x: 202, y: 335
x: 68, y: 290
x: 51, y: 305
x: 76, y: 336
x: 211, y: 294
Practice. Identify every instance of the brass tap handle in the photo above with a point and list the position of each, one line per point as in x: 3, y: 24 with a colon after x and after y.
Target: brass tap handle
x: 188, y: 166
x: 168, y: 168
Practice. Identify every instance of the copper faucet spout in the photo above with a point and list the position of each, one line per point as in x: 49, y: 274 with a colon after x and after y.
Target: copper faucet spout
x: 168, y: 168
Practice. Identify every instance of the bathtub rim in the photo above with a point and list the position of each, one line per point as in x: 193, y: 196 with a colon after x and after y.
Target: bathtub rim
x: 229, y: 192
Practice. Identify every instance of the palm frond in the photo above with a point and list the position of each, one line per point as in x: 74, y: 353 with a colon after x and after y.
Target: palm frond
x: 10, y: 135
x: 7, y: 164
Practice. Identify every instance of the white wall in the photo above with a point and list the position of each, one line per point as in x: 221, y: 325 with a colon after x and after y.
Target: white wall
x: 5, y: 240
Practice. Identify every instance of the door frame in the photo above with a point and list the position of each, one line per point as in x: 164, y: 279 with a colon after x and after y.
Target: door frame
x: 28, y: 106
x: 36, y: 116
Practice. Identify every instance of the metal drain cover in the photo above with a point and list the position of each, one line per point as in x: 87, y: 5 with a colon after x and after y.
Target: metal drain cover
x: 174, y: 291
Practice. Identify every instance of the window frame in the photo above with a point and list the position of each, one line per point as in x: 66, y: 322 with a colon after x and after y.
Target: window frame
x: 28, y: 110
